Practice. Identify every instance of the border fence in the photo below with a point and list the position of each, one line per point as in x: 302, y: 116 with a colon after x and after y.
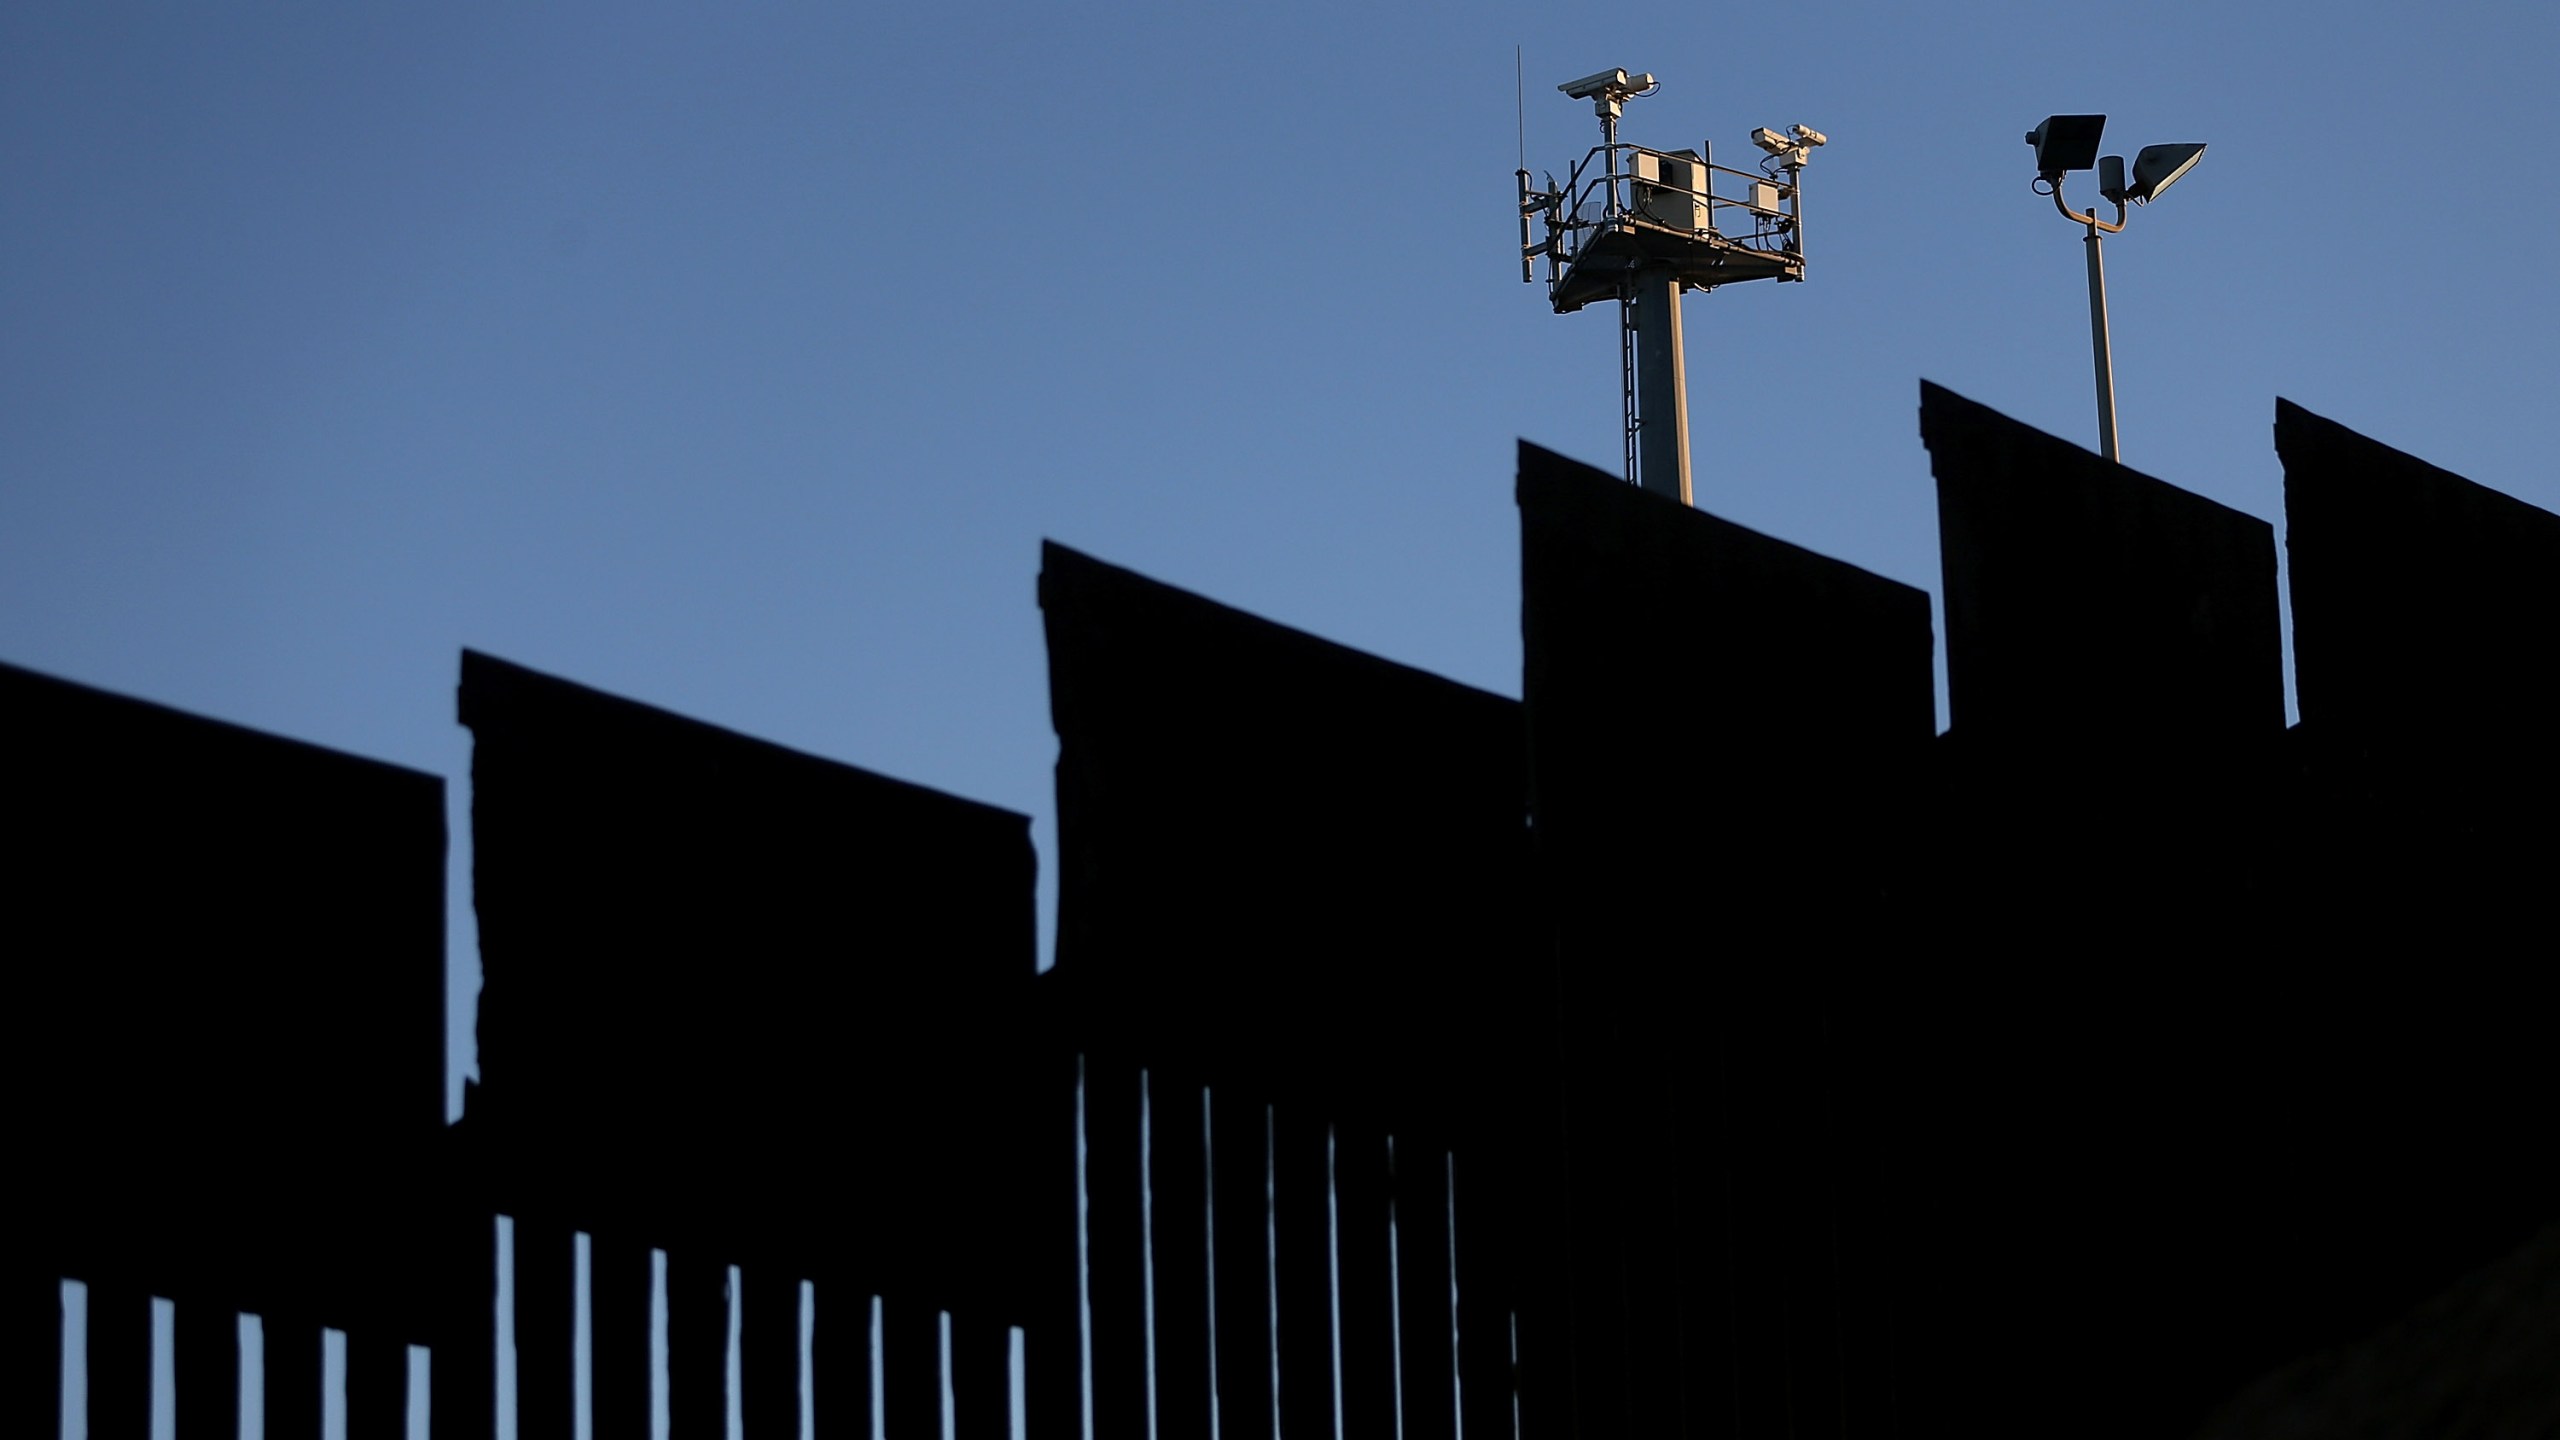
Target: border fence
x: 1703, y: 1045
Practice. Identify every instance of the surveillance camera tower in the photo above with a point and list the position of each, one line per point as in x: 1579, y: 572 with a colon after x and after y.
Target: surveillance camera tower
x: 1640, y: 226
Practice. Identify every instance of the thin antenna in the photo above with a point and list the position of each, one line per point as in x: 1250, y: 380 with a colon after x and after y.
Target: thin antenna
x: 1520, y: 97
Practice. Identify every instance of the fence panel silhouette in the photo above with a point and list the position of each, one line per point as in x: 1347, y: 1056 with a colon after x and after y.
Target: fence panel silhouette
x: 755, y: 1010
x: 1698, y: 1046
x: 1709, y: 710
x: 1293, y: 901
x: 227, y: 971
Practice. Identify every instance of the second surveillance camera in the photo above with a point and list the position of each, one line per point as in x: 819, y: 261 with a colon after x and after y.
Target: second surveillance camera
x: 1809, y: 135
x: 1771, y: 141
x: 1592, y: 87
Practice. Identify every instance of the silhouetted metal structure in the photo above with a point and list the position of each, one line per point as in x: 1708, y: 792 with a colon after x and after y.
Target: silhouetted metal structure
x: 1640, y: 227
x: 1417, y: 1062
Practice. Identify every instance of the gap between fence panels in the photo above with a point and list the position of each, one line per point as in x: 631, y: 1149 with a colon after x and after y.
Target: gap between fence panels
x: 560, y: 1359
x: 98, y: 1397
x: 1381, y: 1306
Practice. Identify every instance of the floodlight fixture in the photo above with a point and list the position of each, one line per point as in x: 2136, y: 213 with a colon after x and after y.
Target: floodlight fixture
x: 2157, y: 167
x: 2066, y: 142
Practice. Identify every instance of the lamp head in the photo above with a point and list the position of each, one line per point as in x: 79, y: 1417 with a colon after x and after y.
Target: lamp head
x: 2157, y: 167
x: 2066, y: 142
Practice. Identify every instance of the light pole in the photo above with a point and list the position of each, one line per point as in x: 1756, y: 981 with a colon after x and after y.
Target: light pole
x: 2064, y: 143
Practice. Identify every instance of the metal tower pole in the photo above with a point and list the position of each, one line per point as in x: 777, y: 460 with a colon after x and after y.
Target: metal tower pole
x: 2098, y: 346
x: 1655, y: 235
x: 1662, y: 385
x: 1630, y: 418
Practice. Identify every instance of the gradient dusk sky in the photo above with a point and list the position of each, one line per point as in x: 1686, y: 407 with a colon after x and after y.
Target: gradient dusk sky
x: 737, y: 358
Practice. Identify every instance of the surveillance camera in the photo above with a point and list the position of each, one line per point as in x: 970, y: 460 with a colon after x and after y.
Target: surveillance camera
x: 2111, y: 178
x: 1771, y: 141
x: 1593, y: 87
x: 1809, y: 135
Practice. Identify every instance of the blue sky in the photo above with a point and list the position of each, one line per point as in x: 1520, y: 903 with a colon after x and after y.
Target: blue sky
x: 737, y: 358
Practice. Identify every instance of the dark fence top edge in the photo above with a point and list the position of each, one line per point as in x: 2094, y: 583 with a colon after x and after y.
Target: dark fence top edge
x: 1944, y: 413
x: 2298, y: 429
x: 1540, y: 465
x: 19, y: 675
x: 1066, y: 572
x: 492, y: 691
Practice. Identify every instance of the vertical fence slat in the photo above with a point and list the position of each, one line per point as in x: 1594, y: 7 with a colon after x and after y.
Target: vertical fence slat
x: 546, y: 1328
x: 461, y: 1374
x: 1711, y: 1318
x: 206, y: 1352
x: 839, y: 1364
x: 1115, y: 1245
x: 1759, y: 1232
x: 1603, y: 1214
x: 1052, y: 1385
x: 377, y: 1385
x: 119, y: 1362
x: 1240, y: 1145
x: 1536, y: 1198
x: 769, y: 1352
x: 618, y: 1287
x: 1368, y: 1304
x: 1796, y: 1212
x: 30, y: 1350
x: 697, y: 1345
x: 1865, y: 1224
x: 1303, y: 1254
x: 1658, y: 1203
x: 1486, y: 1267
x: 1052, y: 1367
x: 1422, y: 1265
x: 1823, y: 1149
x: 1179, y: 1177
x: 911, y: 1368
x: 1813, y: 1296
x: 293, y: 1372
x: 981, y: 1357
